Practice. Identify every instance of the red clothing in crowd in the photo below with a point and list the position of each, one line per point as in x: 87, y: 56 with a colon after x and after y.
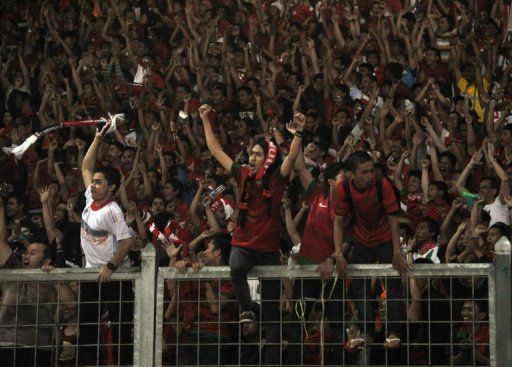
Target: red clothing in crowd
x: 437, y: 210
x: 370, y: 225
x: 198, y: 315
x: 317, y: 241
x: 261, y: 231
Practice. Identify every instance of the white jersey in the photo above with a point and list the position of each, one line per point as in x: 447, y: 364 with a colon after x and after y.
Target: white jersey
x: 100, y: 232
x: 498, y: 212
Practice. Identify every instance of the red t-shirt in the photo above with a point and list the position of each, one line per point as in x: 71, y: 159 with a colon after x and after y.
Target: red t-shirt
x: 317, y: 239
x: 415, y: 207
x: 440, y: 72
x: 437, y: 210
x: 197, y: 315
x: 261, y: 231
x: 300, y: 13
x: 370, y: 225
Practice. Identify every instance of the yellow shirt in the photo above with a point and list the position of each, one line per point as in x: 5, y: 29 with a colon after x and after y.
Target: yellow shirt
x: 472, y: 92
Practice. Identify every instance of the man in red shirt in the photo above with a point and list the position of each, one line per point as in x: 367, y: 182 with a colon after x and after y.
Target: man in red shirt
x: 316, y: 247
x: 376, y: 236
x: 256, y: 236
x: 206, y: 323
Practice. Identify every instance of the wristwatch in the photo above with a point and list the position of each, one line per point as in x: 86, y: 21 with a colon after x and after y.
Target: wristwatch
x: 111, y: 266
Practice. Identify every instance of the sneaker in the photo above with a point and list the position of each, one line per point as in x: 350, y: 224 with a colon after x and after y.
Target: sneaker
x: 247, y: 316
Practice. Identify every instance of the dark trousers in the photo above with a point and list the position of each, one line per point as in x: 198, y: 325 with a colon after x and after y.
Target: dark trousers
x: 241, y: 261
x: 203, y: 349
x: 25, y: 356
x: 303, y: 289
x: 361, y: 290
x: 110, y: 304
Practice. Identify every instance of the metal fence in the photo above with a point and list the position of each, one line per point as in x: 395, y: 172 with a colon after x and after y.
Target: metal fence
x: 175, y: 322
x: 35, y: 315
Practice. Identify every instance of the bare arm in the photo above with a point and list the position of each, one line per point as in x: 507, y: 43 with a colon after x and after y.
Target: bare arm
x: 299, y: 121
x: 460, y: 183
x: 290, y: 227
x: 216, y: 302
x: 456, y: 204
x: 194, y: 205
x: 3, y: 227
x: 504, y: 186
x: 24, y: 71
x: 212, y: 220
x: 89, y: 161
x: 211, y: 140
x: 425, y: 181
x: 452, y: 245
x: 49, y: 225
x: 434, y: 161
x: 124, y: 247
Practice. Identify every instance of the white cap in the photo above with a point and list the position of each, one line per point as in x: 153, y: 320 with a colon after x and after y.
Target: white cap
x: 278, y: 5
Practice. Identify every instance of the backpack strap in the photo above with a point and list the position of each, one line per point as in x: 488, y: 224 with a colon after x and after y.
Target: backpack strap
x: 380, y: 195
x: 348, y: 198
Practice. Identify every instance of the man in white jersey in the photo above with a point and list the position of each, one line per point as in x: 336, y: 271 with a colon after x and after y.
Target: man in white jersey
x: 106, y: 242
x: 105, y: 238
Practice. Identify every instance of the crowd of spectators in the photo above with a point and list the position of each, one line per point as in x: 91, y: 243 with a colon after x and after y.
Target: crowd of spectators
x: 423, y: 86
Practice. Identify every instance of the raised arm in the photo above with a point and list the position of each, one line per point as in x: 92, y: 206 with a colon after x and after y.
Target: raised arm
x: 460, y: 183
x: 49, y: 225
x: 500, y: 172
x: 5, y: 250
x: 436, y: 173
x: 90, y: 160
x: 425, y: 181
x: 304, y: 175
x: 211, y: 140
x: 299, y: 121
x: 24, y: 71
x: 194, y: 205
x: 210, y: 217
x: 452, y: 245
x: 3, y: 224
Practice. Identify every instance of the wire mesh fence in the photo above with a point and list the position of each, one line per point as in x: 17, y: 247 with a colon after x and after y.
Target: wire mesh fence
x: 67, y: 318
x: 440, y: 315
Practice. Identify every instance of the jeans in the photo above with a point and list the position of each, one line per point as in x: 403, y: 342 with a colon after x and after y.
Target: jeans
x: 241, y: 261
x: 360, y: 290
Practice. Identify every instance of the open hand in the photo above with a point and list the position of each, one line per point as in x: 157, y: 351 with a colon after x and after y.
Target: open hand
x: 400, y: 264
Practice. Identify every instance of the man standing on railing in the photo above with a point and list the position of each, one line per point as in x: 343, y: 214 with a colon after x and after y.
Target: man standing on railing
x: 256, y: 236
x: 106, y: 242
x: 367, y: 202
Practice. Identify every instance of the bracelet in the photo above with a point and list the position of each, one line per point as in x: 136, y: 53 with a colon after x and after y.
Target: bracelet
x: 111, y: 266
x: 299, y: 133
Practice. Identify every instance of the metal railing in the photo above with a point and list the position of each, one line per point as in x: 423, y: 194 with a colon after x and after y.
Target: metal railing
x: 150, y: 303
x: 141, y: 280
x: 498, y: 315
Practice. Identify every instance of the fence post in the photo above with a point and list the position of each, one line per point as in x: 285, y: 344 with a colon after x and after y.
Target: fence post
x: 503, y: 305
x: 144, y: 318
